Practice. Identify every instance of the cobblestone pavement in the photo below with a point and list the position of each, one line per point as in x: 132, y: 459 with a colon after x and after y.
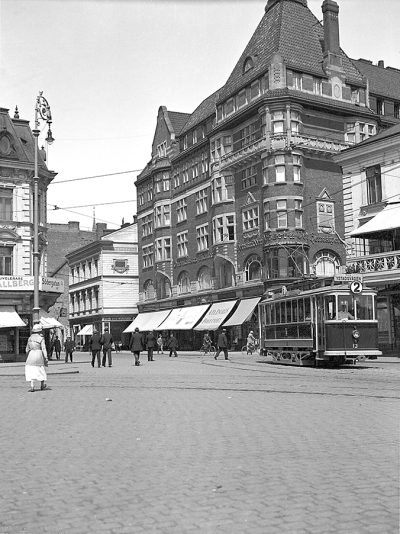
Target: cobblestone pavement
x: 192, y: 445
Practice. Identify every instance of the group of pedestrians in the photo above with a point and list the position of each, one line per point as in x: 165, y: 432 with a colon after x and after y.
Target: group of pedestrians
x: 148, y: 341
x: 101, y: 343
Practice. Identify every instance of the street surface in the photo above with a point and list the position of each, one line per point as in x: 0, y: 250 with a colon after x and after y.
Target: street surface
x: 194, y: 445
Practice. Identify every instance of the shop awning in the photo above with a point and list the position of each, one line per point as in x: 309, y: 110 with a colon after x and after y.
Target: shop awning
x: 184, y: 318
x: 387, y: 219
x: 9, y: 317
x: 216, y: 315
x: 148, y: 321
x: 243, y: 312
x: 48, y: 322
x: 86, y: 330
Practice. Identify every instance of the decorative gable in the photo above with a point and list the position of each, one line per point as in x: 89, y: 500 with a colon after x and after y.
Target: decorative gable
x: 250, y: 199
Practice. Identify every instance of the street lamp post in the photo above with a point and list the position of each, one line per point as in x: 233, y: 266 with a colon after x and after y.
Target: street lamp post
x: 42, y: 112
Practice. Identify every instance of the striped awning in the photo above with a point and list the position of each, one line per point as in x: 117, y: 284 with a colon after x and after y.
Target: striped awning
x: 216, y: 315
x: 147, y: 321
x: 243, y: 312
x: 183, y: 318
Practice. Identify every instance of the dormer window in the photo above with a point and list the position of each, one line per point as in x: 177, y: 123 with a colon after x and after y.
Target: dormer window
x: 248, y: 64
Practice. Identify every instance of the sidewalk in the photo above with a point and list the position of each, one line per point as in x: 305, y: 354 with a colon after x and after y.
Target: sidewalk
x: 59, y: 367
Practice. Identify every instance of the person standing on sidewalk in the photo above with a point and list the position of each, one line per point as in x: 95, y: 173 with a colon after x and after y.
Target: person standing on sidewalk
x: 37, y: 358
x: 107, y: 341
x: 222, y: 344
x: 69, y: 347
x: 57, y: 347
x: 95, y: 347
x: 136, y: 345
x: 150, y: 344
x: 172, y: 345
x: 160, y: 344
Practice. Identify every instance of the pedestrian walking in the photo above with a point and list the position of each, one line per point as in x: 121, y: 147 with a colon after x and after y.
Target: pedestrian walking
x: 160, y: 344
x: 172, y: 345
x: 69, y: 347
x: 136, y: 345
x: 95, y: 347
x: 107, y: 342
x: 118, y: 345
x: 150, y: 345
x: 222, y: 344
x: 37, y: 358
x: 57, y: 347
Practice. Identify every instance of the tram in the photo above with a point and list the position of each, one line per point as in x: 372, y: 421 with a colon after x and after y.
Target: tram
x: 327, y: 325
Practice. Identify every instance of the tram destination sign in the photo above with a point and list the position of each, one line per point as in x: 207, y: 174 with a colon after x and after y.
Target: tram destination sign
x: 348, y: 278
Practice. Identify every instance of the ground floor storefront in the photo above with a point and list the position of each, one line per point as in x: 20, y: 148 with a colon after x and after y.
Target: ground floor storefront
x: 82, y: 329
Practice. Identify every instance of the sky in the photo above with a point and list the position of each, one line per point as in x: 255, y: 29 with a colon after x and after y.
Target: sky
x: 106, y: 66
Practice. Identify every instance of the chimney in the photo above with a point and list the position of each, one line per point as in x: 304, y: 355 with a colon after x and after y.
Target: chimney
x: 101, y: 228
x: 381, y: 63
x: 330, y: 9
x: 73, y: 226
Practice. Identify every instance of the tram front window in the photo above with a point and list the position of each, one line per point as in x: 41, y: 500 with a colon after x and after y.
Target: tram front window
x: 330, y: 306
x: 364, y: 307
x: 345, y: 307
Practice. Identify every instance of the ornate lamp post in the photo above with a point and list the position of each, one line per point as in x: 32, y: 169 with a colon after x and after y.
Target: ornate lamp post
x: 42, y: 112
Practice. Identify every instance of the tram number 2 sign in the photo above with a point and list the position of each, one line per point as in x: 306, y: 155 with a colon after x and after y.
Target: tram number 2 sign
x: 356, y: 287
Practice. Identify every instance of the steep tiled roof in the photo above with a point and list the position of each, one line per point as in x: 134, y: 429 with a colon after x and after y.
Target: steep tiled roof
x: 289, y: 28
x: 178, y: 120
x: 204, y: 110
x: 382, y: 81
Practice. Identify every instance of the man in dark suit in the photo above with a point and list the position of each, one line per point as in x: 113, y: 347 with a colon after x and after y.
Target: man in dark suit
x: 107, y: 341
x: 95, y: 347
x: 172, y: 345
x: 136, y: 345
x: 222, y: 344
x: 150, y: 344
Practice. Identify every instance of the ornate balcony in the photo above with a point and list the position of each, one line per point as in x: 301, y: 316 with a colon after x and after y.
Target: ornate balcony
x: 281, y: 141
x: 387, y: 263
x: 318, y: 144
x: 245, y: 155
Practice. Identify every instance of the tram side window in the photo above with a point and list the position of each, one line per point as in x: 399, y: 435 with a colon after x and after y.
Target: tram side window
x: 301, y: 310
x: 345, y: 307
x: 294, y: 311
x: 330, y: 306
x: 364, y: 307
x: 283, y: 312
x: 277, y: 313
x: 307, y: 310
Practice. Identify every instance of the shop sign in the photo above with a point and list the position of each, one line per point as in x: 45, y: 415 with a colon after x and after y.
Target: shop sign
x: 18, y: 283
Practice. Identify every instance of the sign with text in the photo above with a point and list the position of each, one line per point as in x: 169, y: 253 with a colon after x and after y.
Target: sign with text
x: 348, y: 278
x: 26, y: 283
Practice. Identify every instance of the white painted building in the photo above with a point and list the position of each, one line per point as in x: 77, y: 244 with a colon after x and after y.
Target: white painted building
x: 371, y: 182
x: 104, y: 284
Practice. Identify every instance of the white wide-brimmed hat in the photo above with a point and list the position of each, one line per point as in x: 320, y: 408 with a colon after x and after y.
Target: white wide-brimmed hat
x: 37, y: 328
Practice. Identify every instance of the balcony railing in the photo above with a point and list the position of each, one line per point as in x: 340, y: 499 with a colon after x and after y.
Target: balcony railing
x: 319, y: 144
x: 246, y: 153
x: 373, y: 263
x: 279, y: 142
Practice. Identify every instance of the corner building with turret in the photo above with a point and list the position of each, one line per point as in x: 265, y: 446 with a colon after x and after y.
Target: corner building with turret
x: 242, y: 195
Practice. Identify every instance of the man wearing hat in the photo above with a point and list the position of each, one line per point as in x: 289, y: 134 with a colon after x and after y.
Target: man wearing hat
x: 95, y: 347
x: 222, y: 344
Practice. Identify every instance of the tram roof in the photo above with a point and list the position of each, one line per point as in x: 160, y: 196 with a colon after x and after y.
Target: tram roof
x: 296, y: 293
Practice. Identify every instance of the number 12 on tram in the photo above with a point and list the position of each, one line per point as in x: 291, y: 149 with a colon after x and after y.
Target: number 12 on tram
x: 325, y: 326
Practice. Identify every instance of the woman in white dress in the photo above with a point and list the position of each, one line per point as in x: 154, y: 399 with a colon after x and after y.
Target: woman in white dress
x: 37, y: 358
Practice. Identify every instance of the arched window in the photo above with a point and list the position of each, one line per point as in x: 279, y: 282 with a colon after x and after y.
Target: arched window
x: 253, y: 269
x: 183, y: 283
x: 326, y: 263
x: 248, y: 64
x: 149, y: 292
x: 163, y: 287
x: 204, y: 279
